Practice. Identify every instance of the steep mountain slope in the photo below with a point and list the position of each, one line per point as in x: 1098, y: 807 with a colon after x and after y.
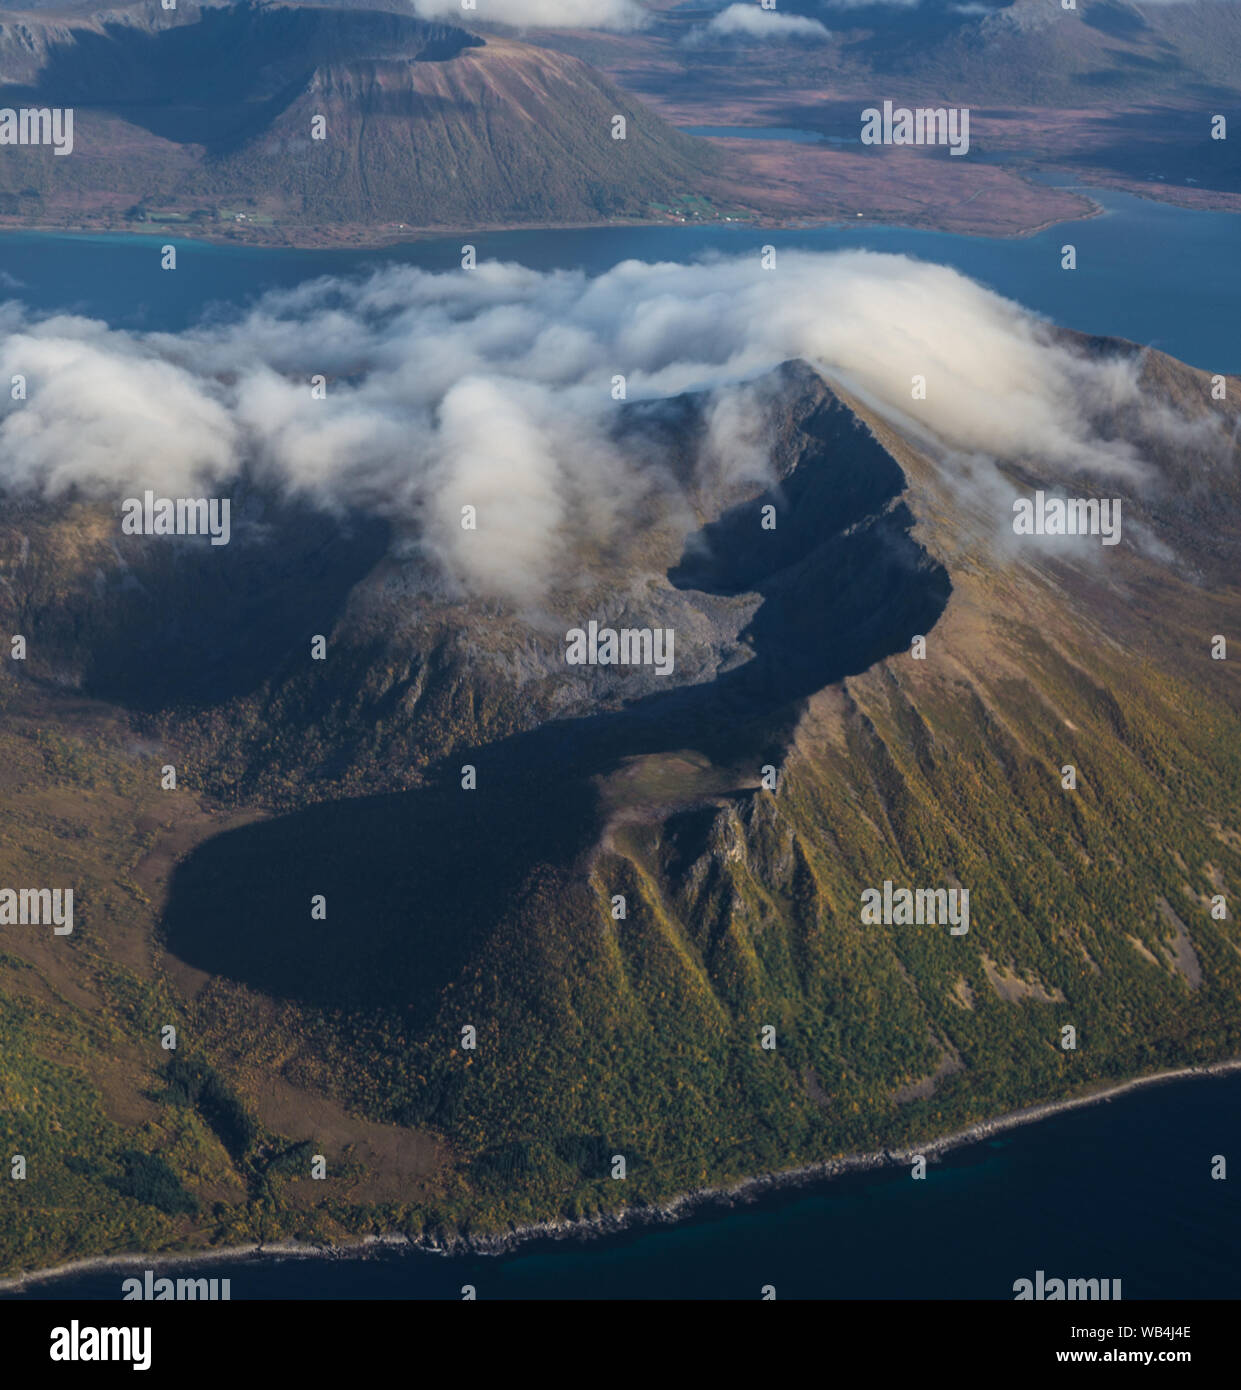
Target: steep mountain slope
x: 496, y: 908
x: 314, y: 115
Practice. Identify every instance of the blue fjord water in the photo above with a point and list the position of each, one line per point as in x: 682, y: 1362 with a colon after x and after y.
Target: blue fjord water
x: 1117, y: 1190
x: 1160, y: 275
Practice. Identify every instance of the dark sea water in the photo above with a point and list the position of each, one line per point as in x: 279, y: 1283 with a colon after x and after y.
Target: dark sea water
x: 1119, y: 1190
x: 1160, y: 275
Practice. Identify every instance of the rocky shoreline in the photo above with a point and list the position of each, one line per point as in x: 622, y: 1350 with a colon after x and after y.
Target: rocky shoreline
x: 614, y: 1223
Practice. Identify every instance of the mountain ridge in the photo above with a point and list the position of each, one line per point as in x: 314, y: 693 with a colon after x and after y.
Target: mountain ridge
x: 421, y: 123
x: 641, y: 1035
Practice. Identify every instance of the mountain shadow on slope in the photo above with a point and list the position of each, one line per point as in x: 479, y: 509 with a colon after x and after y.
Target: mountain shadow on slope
x: 224, y: 78
x: 416, y: 881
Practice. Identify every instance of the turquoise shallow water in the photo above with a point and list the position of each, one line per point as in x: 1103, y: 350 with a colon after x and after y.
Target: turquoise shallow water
x: 1157, y: 274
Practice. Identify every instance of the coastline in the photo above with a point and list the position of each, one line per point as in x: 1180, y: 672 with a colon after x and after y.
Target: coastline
x: 628, y: 1218
x: 359, y: 238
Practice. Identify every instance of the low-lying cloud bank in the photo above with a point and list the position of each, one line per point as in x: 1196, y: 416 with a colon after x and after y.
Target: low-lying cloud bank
x: 620, y: 15
x: 494, y: 388
x: 752, y: 23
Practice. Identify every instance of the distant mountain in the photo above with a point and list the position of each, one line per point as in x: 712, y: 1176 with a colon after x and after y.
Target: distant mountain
x: 1120, y: 94
x: 496, y: 909
x: 1026, y: 50
x: 209, y: 111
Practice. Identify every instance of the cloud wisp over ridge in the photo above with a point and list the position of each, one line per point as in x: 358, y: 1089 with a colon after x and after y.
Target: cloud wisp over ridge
x: 623, y: 16
x: 750, y: 23
x: 495, y: 388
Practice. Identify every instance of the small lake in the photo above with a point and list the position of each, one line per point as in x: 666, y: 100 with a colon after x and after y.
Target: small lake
x: 773, y: 132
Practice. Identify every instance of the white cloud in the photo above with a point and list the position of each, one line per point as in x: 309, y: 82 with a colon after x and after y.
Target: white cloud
x: 751, y: 21
x: 622, y: 15
x: 830, y: 5
x: 493, y: 388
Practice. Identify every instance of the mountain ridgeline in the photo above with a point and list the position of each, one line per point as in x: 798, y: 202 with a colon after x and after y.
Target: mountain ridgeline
x: 615, y: 885
x: 304, y: 115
